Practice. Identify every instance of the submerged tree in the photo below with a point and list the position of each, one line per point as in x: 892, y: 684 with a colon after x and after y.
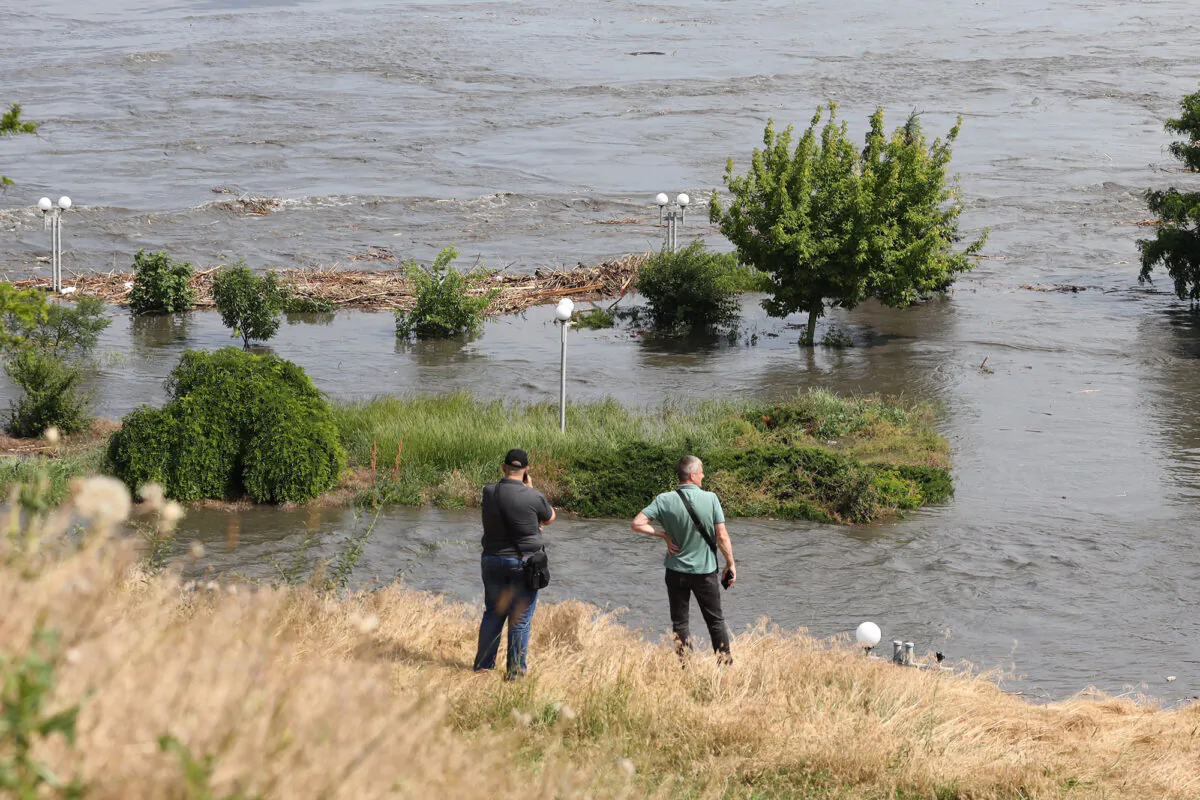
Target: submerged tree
x: 833, y: 225
x: 11, y: 125
x: 1176, y: 245
x: 249, y: 304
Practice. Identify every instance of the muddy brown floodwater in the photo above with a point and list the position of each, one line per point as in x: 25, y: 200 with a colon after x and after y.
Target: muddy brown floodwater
x: 520, y: 131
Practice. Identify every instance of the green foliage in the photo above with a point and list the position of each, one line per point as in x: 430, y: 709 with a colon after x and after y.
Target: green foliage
x: 67, y: 329
x: 249, y: 303
x: 55, y: 473
x: 300, y: 304
x: 444, y: 307
x: 52, y: 395
x: 1176, y: 244
x: 816, y: 456
x: 26, y: 684
x: 11, y: 124
x: 834, y: 225
x: 160, y: 285
x: 20, y: 310
x: 39, y: 364
x: 691, y: 290
x: 235, y: 424
x: 595, y: 319
x: 197, y: 772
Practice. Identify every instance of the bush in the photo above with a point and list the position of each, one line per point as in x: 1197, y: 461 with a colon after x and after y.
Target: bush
x: 300, y: 304
x: 249, y: 303
x: 235, y: 424
x: 39, y: 348
x: 692, y: 290
x: 52, y: 395
x: 444, y: 307
x: 160, y: 285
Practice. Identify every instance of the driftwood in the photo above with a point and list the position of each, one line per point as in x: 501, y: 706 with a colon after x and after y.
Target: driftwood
x: 383, y: 289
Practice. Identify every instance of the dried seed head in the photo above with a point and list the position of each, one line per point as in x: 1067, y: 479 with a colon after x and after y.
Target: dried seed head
x: 101, y: 500
x: 627, y: 766
x: 196, y: 550
x: 366, y: 623
x: 521, y: 718
x: 51, y: 435
x: 152, y: 495
x: 172, y: 512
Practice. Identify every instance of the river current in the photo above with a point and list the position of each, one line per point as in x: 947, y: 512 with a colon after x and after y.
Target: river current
x: 534, y: 133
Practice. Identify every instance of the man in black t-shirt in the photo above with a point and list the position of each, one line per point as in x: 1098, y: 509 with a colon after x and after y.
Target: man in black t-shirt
x: 513, y: 515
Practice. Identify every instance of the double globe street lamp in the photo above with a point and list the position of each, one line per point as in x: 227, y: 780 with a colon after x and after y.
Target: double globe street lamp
x: 562, y: 316
x: 52, y: 217
x: 672, y: 217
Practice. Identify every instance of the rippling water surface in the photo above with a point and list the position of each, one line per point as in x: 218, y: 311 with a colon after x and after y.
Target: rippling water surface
x: 521, y: 131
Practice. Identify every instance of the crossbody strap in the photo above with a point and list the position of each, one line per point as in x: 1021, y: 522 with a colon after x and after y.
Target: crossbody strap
x: 696, y: 519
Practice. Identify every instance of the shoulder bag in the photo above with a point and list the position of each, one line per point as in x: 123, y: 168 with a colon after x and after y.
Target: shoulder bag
x: 712, y: 544
x: 537, y: 566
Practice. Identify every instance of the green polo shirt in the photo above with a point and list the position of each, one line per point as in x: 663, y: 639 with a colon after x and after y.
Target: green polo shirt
x: 695, y: 556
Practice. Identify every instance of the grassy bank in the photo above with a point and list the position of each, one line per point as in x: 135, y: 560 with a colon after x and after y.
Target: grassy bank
x: 291, y: 693
x: 816, y: 456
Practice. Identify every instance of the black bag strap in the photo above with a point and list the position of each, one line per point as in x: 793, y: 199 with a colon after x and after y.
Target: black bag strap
x: 696, y: 519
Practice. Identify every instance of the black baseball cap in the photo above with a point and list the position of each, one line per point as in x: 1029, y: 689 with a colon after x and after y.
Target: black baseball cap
x: 517, y: 458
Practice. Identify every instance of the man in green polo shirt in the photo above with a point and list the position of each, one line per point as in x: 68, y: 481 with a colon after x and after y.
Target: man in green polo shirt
x: 691, y: 560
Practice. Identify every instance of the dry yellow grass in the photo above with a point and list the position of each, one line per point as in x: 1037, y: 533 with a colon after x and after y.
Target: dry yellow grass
x: 296, y: 694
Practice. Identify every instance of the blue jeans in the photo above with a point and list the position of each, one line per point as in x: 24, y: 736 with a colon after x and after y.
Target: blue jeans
x: 505, y: 597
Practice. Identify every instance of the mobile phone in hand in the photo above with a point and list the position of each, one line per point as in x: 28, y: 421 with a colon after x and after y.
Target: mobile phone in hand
x: 726, y: 579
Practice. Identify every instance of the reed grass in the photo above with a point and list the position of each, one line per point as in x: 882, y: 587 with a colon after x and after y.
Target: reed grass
x: 443, y: 449
x: 296, y: 693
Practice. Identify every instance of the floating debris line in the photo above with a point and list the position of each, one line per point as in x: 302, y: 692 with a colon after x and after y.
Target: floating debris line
x: 383, y: 289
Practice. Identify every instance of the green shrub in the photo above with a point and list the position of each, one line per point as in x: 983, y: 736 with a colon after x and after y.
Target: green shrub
x: 160, y: 285
x: 444, y: 307
x: 235, y: 424
x: 595, y: 319
x: 249, y: 303
x: 66, y: 329
x: 692, y: 290
x: 299, y: 304
x: 52, y: 395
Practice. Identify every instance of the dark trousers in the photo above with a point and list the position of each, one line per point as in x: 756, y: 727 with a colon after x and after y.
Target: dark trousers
x: 707, y: 588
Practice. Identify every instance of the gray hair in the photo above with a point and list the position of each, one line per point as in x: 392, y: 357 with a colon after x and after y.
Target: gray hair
x: 687, y: 466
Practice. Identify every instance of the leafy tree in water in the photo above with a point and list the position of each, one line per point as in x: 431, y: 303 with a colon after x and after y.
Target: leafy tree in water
x: 443, y: 308
x: 833, y: 225
x: 1176, y: 245
x: 11, y: 125
x: 160, y: 285
x: 249, y: 304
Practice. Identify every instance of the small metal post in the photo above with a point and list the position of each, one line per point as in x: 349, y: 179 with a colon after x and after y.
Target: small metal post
x: 897, y: 651
x: 562, y: 388
x: 908, y: 654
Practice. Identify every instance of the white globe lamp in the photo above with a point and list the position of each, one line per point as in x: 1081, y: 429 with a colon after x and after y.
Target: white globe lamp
x: 44, y: 204
x: 564, y: 309
x: 64, y: 202
x: 683, y: 200
x: 662, y: 199
x: 868, y: 635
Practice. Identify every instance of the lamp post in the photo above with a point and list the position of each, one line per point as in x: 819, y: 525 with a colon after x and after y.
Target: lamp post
x: 672, y: 217
x: 868, y: 635
x: 52, y: 215
x: 562, y: 315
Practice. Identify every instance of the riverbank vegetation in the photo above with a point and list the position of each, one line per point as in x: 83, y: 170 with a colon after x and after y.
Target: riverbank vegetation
x: 235, y: 690
x: 816, y: 456
x: 236, y: 424
x: 695, y: 290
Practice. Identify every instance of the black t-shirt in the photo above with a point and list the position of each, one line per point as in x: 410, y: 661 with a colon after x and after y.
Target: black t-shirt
x: 512, y: 510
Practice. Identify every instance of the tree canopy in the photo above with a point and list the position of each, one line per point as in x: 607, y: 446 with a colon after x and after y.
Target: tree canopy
x: 1176, y: 245
x: 11, y: 125
x: 834, y: 225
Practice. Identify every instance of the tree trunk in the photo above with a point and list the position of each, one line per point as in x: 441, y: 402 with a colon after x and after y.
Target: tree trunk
x: 813, y: 316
